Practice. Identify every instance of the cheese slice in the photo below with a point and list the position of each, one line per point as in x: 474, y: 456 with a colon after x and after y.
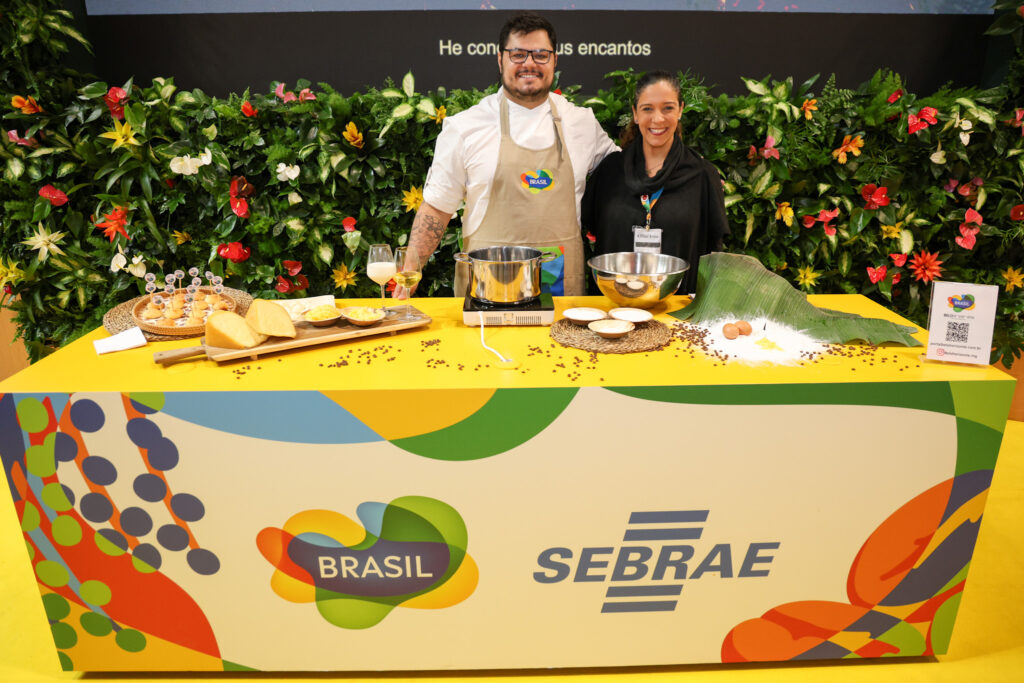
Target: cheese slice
x: 270, y: 318
x: 229, y: 330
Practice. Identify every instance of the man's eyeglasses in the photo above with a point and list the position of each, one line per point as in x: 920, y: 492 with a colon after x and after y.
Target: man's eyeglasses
x: 518, y: 55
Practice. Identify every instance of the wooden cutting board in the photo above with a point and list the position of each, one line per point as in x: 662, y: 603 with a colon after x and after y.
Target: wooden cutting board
x: 306, y: 335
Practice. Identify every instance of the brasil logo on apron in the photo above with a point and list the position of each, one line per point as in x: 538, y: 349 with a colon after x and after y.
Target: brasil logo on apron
x: 537, y: 181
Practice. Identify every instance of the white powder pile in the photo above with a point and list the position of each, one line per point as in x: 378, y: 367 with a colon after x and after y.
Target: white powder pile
x: 768, y: 342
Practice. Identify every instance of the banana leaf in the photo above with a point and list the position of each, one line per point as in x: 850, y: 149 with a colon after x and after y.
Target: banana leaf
x: 738, y: 286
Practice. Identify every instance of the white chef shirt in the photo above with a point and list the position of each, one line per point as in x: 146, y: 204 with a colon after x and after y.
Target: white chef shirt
x: 466, y: 152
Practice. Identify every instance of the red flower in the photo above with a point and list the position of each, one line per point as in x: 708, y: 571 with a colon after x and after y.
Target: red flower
x: 809, y: 221
x: 349, y: 224
x: 306, y: 94
x: 293, y: 267
x: 769, y: 148
x: 896, y: 94
x: 951, y: 185
x: 972, y: 216
x: 874, y: 197
x: 249, y: 110
x: 924, y: 118
x: 967, y: 237
x: 56, y: 197
x: 115, y: 222
x: 233, y: 252
x: 390, y: 286
x: 286, y: 286
x: 116, y: 99
x: 876, y: 275
x: 896, y: 278
x: 558, y: 91
x: 592, y: 239
x: 240, y: 188
x: 1018, y: 120
x: 1017, y: 213
x: 898, y: 259
x: 926, y: 266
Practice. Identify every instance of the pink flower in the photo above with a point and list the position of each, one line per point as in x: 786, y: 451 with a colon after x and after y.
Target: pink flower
x: 1018, y: 120
x: 305, y: 94
x: 285, y: 96
x: 898, y: 259
x: 972, y: 216
x: 951, y: 185
x: 56, y: 197
x: 12, y: 135
x: 967, y: 237
x: 349, y: 224
x: 876, y: 275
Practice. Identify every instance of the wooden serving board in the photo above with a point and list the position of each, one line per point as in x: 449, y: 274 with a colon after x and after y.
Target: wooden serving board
x: 306, y: 335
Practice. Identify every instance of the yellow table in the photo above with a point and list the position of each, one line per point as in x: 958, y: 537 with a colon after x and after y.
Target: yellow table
x: 401, y: 502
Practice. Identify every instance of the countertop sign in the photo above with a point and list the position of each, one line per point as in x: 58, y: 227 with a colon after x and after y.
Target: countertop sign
x: 961, y: 322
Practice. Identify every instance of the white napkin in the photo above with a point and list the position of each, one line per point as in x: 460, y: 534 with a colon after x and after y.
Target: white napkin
x: 129, y: 339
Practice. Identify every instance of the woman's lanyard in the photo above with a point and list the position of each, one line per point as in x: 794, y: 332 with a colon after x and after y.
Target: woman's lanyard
x: 649, y: 200
x: 648, y: 239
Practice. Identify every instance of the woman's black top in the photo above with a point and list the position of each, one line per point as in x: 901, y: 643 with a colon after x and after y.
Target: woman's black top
x: 690, y: 211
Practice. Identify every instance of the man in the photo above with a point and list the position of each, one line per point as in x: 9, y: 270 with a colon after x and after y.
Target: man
x: 519, y: 159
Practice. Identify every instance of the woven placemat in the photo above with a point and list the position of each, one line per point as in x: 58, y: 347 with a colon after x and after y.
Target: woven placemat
x: 648, y: 336
x: 119, y: 318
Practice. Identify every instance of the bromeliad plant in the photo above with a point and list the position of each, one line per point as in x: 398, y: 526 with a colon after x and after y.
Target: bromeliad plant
x: 874, y: 190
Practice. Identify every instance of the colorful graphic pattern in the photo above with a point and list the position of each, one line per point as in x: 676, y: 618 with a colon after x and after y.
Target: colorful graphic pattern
x: 537, y: 181
x: 904, y: 587
x: 410, y: 552
x: 98, y: 558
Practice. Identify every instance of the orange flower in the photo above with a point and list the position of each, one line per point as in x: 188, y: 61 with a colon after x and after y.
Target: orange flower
x: 807, y: 107
x: 115, y: 223
x: 926, y: 266
x: 27, y: 105
x: 352, y: 134
x: 851, y: 145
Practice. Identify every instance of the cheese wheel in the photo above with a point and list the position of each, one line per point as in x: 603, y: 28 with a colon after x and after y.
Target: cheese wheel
x: 229, y: 330
x: 269, y: 318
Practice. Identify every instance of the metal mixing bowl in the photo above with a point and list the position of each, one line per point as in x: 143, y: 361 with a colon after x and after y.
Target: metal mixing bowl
x: 636, y: 279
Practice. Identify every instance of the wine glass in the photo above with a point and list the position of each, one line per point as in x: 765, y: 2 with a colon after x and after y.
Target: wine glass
x: 407, y: 267
x: 380, y: 267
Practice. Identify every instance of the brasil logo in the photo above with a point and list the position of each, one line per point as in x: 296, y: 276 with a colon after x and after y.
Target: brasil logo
x: 538, y: 181
x: 961, y: 303
x: 410, y: 553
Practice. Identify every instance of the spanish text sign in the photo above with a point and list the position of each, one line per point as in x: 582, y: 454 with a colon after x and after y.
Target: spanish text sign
x: 961, y: 322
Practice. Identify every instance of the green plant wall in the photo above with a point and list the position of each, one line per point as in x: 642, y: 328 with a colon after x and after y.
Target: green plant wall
x: 280, y: 190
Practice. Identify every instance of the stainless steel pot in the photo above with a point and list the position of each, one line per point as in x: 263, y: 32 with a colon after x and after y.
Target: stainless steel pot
x: 504, y: 275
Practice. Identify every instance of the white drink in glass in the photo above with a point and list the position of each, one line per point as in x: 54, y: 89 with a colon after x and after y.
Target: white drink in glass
x: 380, y: 273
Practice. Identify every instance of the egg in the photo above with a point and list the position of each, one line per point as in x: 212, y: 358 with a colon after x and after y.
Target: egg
x: 743, y: 326
x: 730, y: 331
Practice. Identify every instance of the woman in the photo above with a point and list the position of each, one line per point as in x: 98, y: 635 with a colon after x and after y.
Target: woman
x: 657, y: 194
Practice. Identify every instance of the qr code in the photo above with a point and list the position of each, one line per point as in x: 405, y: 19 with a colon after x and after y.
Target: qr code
x: 957, y: 332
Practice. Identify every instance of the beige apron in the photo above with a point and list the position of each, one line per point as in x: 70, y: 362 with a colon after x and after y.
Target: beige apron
x: 532, y: 204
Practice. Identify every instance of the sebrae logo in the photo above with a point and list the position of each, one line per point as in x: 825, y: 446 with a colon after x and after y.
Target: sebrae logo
x: 538, y: 181
x: 410, y: 553
x: 961, y: 303
x: 659, y: 551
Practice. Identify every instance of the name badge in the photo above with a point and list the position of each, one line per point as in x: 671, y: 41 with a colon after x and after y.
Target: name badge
x: 646, y: 240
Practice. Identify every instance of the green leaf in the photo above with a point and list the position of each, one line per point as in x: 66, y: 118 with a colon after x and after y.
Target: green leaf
x: 402, y: 111
x: 427, y: 107
x: 844, y: 263
x: 906, y: 241
x: 735, y: 286
x: 755, y: 87
x: 94, y: 90
x: 326, y: 253
x: 210, y: 131
x: 731, y: 199
x: 859, y: 219
x: 390, y: 93
x: 409, y: 84
x: 136, y: 116
x: 750, y: 228
x: 15, y: 168
x: 762, y: 183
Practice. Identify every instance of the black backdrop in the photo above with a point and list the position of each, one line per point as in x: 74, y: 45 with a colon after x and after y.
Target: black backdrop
x: 222, y: 53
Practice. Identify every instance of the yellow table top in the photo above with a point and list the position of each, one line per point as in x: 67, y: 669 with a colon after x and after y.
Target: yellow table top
x: 448, y: 355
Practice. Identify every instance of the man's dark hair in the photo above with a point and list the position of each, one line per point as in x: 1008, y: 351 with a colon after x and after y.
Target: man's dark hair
x: 526, y: 22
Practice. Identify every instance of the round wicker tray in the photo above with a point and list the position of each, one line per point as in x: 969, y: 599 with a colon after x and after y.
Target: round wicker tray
x: 120, y: 317
x: 648, y: 336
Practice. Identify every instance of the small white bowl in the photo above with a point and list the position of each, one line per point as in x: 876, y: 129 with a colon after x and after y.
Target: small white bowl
x: 611, y: 328
x: 584, y: 315
x: 348, y: 313
x: 633, y: 315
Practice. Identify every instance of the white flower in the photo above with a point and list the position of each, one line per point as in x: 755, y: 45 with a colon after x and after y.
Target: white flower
x: 138, y: 266
x: 286, y: 172
x: 119, y: 261
x: 206, y: 157
x: 186, y: 165
x: 938, y: 157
